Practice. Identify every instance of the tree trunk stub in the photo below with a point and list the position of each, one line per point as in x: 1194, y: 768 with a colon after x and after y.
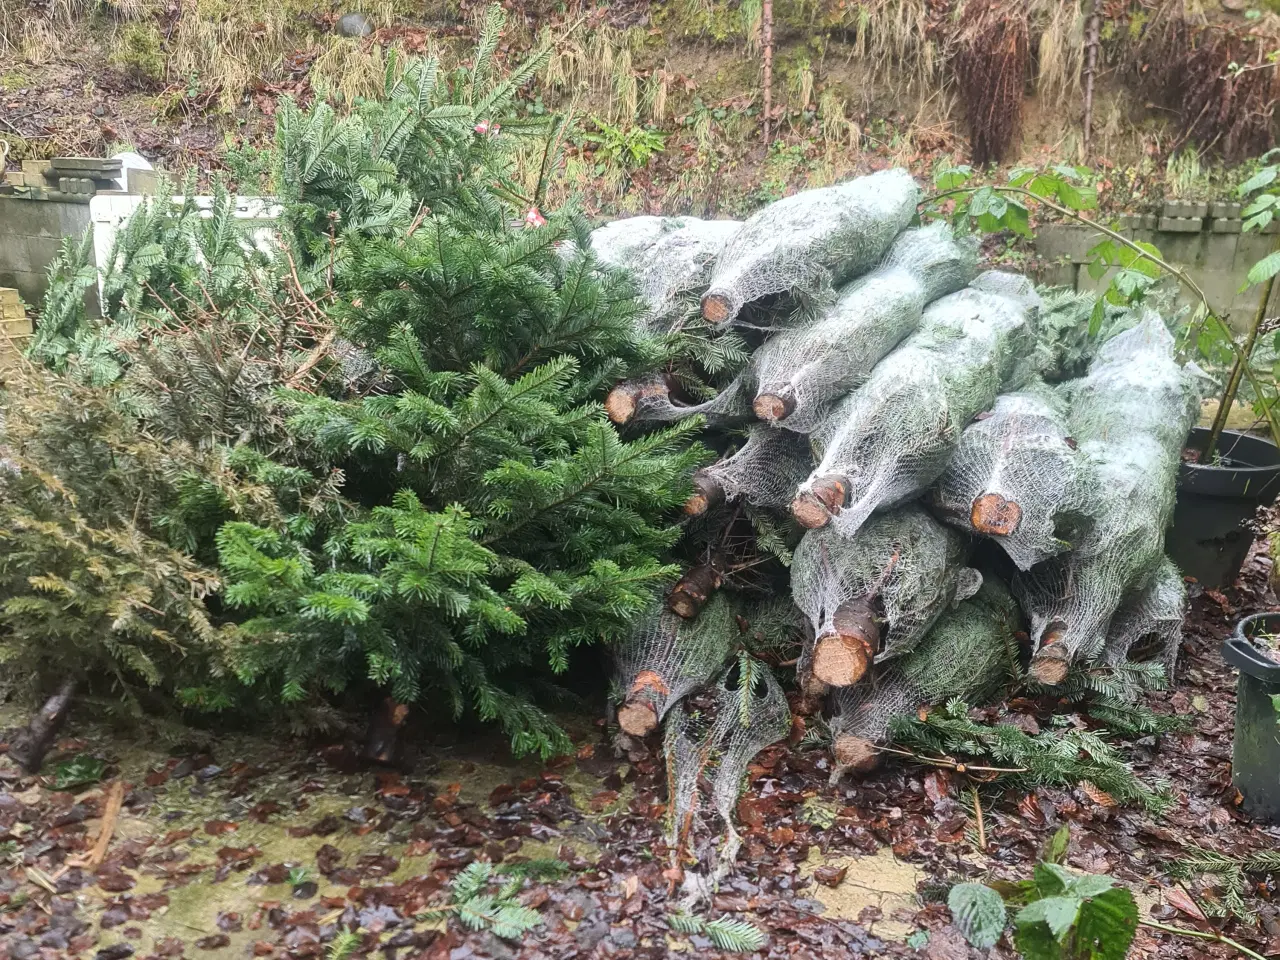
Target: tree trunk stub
x: 640, y: 713
x: 815, y: 507
x: 774, y: 407
x: 1050, y: 664
x: 715, y: 308
x: 855, y: 753
x: 693, y: 590
x: 995, y: 516
x: 707, y: 493
x: 842, y: 658
x: 624, y: 399
x: 34, y: 742
x: 383, y: 739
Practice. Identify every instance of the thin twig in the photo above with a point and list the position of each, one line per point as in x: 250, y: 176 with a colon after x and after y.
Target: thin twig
x: 1203, y: 935
x: 312, y: 359
x: 982, y: 827
x: 950, y: 764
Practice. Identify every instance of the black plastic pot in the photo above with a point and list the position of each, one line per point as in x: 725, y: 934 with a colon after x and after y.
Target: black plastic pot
x: 1209, y: 539
x: 1255, y: 762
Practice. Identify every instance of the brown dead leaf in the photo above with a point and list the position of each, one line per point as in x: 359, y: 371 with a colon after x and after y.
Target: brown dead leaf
x: 830, y: 875
x: 217, y: 827
x: 1100, y: 797
x: 1182, y: 902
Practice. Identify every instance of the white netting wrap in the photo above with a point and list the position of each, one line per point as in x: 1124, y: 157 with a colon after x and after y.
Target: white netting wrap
x: 653, y: 403
x: 712, y: 740
x: 666, y: 657
x: 803, y: 369
x: 765, y: 470
x: 670, y: 259
x: 906, y: 563
x: 970, y: 652
x: 1130, y: 416
x: 891, y: 438
x: 1016, y: 476
x: 1152, y: 613
x: 812, y: 241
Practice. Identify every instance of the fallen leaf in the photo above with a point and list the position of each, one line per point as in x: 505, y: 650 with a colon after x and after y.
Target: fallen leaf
x: 1179, y: 900
x: 830, y: 875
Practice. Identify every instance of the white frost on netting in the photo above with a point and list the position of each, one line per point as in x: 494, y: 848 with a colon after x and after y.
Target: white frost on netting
x: 905, y: 563
x: 670, y: 259
x: 891, y: 438
x: 1153, y: 613
x: 711, y: 742
x: 1016, y: 476
x: 803, y: 369
x: 667, y: 658
x: 1130, y: 416
x: 810, y: 242
x: 969, y: 653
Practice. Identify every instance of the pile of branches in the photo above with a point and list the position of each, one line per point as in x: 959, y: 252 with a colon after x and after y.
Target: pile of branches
x: 914, y: 506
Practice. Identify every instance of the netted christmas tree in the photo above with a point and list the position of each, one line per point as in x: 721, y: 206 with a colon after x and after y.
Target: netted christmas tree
x: 1130, y: 416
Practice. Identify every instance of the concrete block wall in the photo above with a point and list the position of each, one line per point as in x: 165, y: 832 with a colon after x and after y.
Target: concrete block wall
x: 1206, y: 240
x: 31, y: 233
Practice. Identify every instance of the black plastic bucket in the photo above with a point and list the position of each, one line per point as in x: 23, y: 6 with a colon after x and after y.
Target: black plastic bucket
x: 1255, y: 756
x: 1209, y: 538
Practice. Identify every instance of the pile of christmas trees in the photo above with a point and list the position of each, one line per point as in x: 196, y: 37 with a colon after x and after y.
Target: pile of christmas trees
x: 948, y: 519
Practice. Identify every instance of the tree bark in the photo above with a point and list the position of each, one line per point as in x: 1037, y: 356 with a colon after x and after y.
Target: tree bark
x: 693, y: 590
x: 383, y: 739
x: 1093, y: 33
x: 42, y: 730
x: 707, y: 493
x: 816, y: 507
x: 842, y: 658
x: 766, y: 30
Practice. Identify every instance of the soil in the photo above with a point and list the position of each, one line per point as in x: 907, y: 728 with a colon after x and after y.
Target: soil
x: 248, y: 847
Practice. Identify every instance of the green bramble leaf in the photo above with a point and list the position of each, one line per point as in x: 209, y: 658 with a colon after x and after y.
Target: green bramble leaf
x: 1107, y: 925
x: 1058, y: 913
x: 979, y: 913
x: 1265, y: 269
x: 950, y: 178
x: 1264, y: 177
x: 1055, y: 850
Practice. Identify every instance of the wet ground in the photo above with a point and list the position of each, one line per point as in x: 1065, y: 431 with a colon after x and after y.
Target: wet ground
x: 254, y: 848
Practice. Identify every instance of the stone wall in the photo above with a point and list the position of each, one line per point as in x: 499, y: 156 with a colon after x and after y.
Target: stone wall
x: 1204, y: 239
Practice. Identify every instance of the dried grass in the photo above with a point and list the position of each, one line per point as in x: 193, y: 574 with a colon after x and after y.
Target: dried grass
x: 1184, y: 63
x: 349, y: 71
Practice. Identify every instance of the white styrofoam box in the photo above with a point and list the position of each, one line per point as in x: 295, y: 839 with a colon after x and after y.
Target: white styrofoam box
x: 108, y: 213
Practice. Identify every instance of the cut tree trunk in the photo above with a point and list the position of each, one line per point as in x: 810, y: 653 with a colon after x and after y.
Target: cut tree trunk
x: 854, y: 753
x: 34, y: 742
x: 775, y: 407
x: 842, y: 658
x: 707, y: 493
x: 693, y: 590
x: 639, y: 714
x: 383, y: 739
x: 815, y: 507
x: 1050, y: 664
x: 715, y: 308
x: 624, y: 399
x: 995, y: 516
